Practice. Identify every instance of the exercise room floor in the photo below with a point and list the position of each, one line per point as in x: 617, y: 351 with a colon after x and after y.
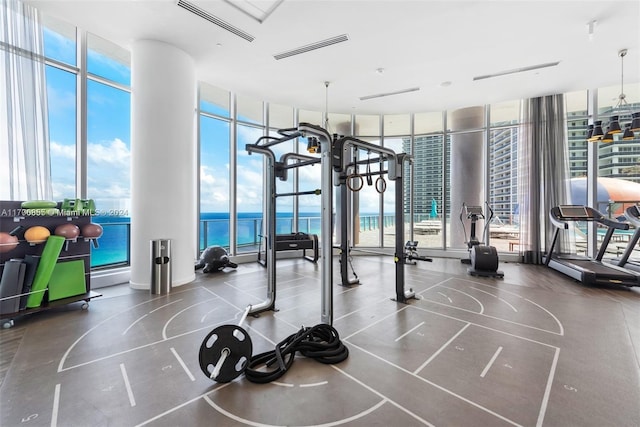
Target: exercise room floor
x: 535, y: 348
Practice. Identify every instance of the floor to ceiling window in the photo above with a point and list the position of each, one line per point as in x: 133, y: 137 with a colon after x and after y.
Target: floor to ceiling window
x: 426, y: 179
x: 108, y: 147
x: 249, y: 175
x: 504, y: 228
x: 90, y: 146
x: 618, y: 160
x: 60, y: 46
x: 215, y: 171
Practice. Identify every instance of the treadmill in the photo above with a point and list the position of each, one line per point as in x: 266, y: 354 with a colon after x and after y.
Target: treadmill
x: 632, y: 213
x: 588, y: 270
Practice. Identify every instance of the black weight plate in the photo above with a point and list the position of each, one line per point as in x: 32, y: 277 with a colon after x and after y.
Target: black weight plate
x: 232, y: 337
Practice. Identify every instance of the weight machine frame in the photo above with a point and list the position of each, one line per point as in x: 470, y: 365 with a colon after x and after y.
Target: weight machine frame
x: 341, y: 166
x: 279, y: 169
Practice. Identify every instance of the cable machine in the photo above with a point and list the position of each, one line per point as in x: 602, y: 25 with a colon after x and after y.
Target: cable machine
x: 343, y: 181
x: 322, y: 142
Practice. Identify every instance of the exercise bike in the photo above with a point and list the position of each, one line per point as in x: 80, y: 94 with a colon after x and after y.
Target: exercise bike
x: 483, y: 258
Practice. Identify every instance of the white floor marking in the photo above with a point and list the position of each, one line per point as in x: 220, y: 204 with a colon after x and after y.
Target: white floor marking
x: 351, y: 313
x: 409, y: 331
x: 377, y: 321
x: 182, y: 405
x: 496, y: 296
x: 466, y: 294
x: 255, y: 331
x: 206, y: 314
x: 550, y: 314
x: 384, y: 398
x: 490, y: 329
x: 256, y: 424
x: 547, y: 391
x: 481, y: 314
x: 189, y: 374
x: 166, y: 324
x: 445, y: 345
x: 561, y: 333
x: 132, y: 400
x: 315, y: 384
x: 136, y: 321
x: 66, y: 353
x: 166, y: 305
x: 445, y: 296
x: 282, y: 384
x: 439, y: 387
x: 493, y: 359
x: 434, y: 285
x: 56, y: 406
x: 141, y: 346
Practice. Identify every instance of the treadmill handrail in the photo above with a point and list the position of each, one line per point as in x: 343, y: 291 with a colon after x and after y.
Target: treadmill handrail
x: 632, y: 213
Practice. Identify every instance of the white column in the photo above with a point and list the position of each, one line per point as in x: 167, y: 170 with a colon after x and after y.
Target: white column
x: 467, y: 168
x: 163, y: 159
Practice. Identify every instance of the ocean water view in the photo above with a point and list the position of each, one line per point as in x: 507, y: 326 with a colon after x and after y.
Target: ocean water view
x: 113, y: 246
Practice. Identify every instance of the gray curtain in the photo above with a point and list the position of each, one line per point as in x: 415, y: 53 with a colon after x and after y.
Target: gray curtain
x: 543, y: 173
x: 25, y: 171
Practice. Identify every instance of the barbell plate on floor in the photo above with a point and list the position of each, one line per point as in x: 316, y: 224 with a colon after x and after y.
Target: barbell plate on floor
x: 238, y: 343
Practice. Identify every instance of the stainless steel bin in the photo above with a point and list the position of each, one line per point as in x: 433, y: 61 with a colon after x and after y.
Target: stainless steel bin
x: 160, y: 266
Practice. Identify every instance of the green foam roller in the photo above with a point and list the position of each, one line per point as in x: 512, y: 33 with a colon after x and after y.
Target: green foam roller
x: 38, y: 204
x: 47, y: 263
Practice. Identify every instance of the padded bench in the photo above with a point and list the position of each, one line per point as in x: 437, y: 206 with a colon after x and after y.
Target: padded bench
x: 294, y: 242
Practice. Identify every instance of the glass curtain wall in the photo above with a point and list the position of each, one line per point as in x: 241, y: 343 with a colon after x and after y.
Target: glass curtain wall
x: 618, y: 165
x: 90, y: 138
x: 89, y: 130
x: 108, y: 149
x: 577, y: 119
x: 504, y: 229
x: 426, y: 179
x: 215, y: 171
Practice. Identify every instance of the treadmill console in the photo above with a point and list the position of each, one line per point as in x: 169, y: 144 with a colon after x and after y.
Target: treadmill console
x: 573, y: 212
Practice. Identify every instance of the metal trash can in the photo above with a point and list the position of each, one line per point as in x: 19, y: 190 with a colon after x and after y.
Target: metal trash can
x: 160, y: 267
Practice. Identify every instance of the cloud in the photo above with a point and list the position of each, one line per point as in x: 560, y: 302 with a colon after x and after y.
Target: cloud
x: 60, y: 150
x: 214, y: 190
x: 115, y: 153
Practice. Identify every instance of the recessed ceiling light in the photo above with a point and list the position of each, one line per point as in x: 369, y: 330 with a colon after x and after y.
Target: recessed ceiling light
x: 380, y: 70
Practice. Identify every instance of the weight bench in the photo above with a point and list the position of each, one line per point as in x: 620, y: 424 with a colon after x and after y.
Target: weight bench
x: 294, y: 242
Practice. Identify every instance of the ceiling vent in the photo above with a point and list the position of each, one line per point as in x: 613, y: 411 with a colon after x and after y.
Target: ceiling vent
x: 517, y: 70
x: 312, y: 46
x: 381, y: 95
x: 213, y: 19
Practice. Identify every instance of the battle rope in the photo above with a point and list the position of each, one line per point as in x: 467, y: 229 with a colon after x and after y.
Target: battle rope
x: 320, y: 342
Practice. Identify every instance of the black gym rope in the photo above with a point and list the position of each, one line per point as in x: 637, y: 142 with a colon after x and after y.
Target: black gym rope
x: 320, y: 342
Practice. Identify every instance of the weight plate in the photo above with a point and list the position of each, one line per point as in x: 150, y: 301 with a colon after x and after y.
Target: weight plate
x: 231, y: 337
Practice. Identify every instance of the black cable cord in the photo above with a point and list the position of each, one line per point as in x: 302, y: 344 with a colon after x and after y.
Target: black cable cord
x: 320, y: 342
x: 350, y: 259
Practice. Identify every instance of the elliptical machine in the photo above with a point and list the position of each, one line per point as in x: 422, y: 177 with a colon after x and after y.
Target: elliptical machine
x: 483, y: 258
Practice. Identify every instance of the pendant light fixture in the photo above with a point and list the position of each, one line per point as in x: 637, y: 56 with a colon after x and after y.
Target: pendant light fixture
x: 595, y: 131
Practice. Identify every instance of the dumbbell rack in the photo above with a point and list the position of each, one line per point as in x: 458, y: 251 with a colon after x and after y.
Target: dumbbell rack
x: 11, y: 216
